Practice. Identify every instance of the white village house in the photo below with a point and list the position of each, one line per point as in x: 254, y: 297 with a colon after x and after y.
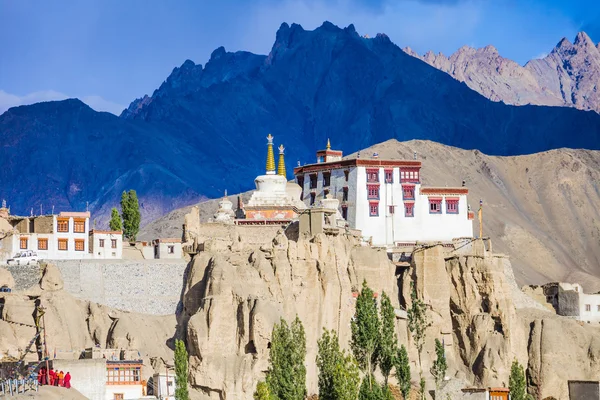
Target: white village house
x: 385, y: 200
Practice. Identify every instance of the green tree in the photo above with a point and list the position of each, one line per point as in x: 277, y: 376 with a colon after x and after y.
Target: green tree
x: 388, y: 341
x: 422, y: 387
x: 286, y: 377
x: 516, y: 382
x: 366, y: 333
x: 262, y: 392
x: 439, y: 367
x: 130, y: 211
x: 418, y: 321
x: 370, y: 390
x: 338, y: 373
x: 402, y: 366
x: 181, y: 371
x: 115, y: 220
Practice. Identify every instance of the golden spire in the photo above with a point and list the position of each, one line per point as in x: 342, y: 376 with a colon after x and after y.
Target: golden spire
x: 270, y: 156
x: 281, y: 163
x: 328, y: 144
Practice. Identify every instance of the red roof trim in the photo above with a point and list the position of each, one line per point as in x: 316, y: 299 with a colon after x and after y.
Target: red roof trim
x: 444, y: 190
x: 452, y: 198
x: 435, y: 199
x: 416, y: 165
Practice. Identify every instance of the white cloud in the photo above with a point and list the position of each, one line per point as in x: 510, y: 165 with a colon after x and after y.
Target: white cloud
x: 8, y: 100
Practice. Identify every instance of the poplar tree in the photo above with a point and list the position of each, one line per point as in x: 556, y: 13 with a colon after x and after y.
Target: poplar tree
x: 181, y: 371
x: 262, y: 392
x: 115, y: 220
x: 388, y: 342
x: 516, y: 382
x: 402, y: 366
x: 130, y: 211
x: 366, y: 334
x: 286, y: 377
x: 418, y: 321
x: 438, y: 370
x: 338, y: 373
x: 370, y: 390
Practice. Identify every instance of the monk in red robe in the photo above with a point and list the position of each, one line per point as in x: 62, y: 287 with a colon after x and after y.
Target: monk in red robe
x: 67, y: 380
x: 42, y: 376
x: 53, y: 379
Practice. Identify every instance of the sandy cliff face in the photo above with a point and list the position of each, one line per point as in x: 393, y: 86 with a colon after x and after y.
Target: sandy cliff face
x: 233, y: 299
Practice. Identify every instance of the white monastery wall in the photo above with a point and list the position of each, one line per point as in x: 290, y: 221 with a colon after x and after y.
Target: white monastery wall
x: 87, y: 376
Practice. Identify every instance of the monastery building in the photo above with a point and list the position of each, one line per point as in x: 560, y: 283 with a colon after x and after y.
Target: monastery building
x: 385, y: 200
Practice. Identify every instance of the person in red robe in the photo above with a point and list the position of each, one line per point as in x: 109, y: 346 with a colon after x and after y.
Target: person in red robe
x: 67, y: 380
x: 42, y: 376
x: 53, y: 379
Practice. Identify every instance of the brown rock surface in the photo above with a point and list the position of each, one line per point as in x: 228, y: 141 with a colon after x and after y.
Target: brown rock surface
x: 567, y: 76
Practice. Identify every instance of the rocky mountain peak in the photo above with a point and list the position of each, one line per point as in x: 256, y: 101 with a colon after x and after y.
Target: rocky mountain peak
x: 583, y: 40
x: 217, y: 53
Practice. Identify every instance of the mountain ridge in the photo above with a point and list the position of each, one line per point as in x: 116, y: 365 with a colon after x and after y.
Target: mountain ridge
x: 567, y: 76
x: 202, y: 131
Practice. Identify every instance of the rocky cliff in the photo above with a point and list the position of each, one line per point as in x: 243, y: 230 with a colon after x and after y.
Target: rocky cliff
x: 567, y: 76
x: 236, y: 292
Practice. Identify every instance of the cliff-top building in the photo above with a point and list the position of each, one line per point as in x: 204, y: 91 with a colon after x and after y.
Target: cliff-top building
x: 384, y: 198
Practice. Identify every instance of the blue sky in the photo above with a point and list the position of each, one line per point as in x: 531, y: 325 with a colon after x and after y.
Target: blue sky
x: 108, y: 52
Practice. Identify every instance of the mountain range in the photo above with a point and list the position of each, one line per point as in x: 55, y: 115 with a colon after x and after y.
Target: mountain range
x: 568, y: 76
x: 203, y: 130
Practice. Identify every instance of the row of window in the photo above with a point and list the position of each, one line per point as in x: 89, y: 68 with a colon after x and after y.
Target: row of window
x: 588, y: 307
x: 123, y: 375
x: 435, y: 207
x: 63, y: 244
x: 62, y: 225
x: 405, y: 176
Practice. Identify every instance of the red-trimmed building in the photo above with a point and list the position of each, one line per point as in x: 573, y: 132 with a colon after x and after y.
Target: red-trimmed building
x: 385, y: 200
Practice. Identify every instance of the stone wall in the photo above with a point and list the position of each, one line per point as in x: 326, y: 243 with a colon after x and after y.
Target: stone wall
x: 145, y: 286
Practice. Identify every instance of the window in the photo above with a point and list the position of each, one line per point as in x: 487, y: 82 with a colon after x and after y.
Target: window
x: 23, y: 243
x: 101, y: 242
x: 346, y: 174
x: 435, y: 206
x: 408, y: 192
x: 63, y: 244
x: 79, y: 244
x: 79, y: 226
x: 345, y: 194
x: 62, y: 225
x: 451, y: 206
x: 300, y: 181
x: 588, y: 307
x: 373, y: 209
x: 409, y: 175
x: 598, y: 307
x: 372, y: 175
x: 113, y: 243
x: 42, y: 244
x: 326, y: 178
x: 392, y: 210
x: 345, y: 215
x: 312, y: 198
x: 171, y: 250
x: 409, y: 210
x: 123, y: 375
x: 389, y: 176
x: 313, y: 181
x: 373, y: 192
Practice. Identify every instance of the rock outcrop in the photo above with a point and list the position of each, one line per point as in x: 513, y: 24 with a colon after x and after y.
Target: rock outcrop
x: 567, y: 76
x: 234, y: 298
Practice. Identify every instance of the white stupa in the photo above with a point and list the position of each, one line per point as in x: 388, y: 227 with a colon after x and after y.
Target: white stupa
x: 225, y: 213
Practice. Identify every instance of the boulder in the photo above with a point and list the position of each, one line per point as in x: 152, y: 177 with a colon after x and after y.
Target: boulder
x: 51, y: 278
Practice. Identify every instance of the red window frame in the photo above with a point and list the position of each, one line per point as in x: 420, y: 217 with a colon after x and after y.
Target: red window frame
x: 391, y: 210
x: 409, y: 209
x: 374, y: 209
x: 408, y: 192
x: 373, y: 192
x: 435, y: 205
x: 372, y: 175
x: 389, y: 175
x: 451, y: 206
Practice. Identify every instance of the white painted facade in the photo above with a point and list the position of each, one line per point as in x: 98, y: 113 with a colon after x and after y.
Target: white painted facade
x: 164, y: 385
x: 168, y: 249
x: 390, y: 224
x: 589, y: 304
x: 128, y: 392
x: 51, y: 246
x: 106, y: 244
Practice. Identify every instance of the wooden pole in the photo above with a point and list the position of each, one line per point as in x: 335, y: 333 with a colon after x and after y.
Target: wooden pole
x: 45, y: 346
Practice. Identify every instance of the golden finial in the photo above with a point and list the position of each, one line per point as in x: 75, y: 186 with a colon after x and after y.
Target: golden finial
x: 328, y: 144
x: 270, y: 156
x: 281, y: 163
